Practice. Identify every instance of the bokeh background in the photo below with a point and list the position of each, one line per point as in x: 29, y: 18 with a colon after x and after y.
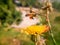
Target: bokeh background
x: 9, y: 15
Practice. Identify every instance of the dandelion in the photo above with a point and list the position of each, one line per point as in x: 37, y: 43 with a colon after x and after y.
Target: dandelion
x: 37, y: 29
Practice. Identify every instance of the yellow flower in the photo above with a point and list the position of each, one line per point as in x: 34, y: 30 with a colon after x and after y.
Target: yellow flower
x: 37, y: 29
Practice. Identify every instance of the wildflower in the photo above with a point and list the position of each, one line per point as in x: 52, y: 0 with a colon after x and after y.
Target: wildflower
x: 37, y: 29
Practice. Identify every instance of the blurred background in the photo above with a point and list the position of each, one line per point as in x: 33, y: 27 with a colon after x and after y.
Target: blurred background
x: 11, y: 12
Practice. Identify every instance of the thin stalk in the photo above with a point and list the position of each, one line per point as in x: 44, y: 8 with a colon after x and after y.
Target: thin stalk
x: 36, y: 39
x: 50, y: 31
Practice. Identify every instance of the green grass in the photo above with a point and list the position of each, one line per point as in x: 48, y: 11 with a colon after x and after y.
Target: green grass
x: 54, y: 19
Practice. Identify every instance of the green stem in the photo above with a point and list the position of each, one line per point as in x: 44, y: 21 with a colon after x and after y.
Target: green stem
x: 35, y: 39
x: 48, y: 21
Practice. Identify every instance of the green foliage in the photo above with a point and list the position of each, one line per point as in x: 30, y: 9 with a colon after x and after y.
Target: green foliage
x: 54, y: 17
x: 57, y: 19
x: 56, y: 5
x: 27, y: 43
x: 33, y: 3
x: 8, y: 14
x: 6, y: 37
